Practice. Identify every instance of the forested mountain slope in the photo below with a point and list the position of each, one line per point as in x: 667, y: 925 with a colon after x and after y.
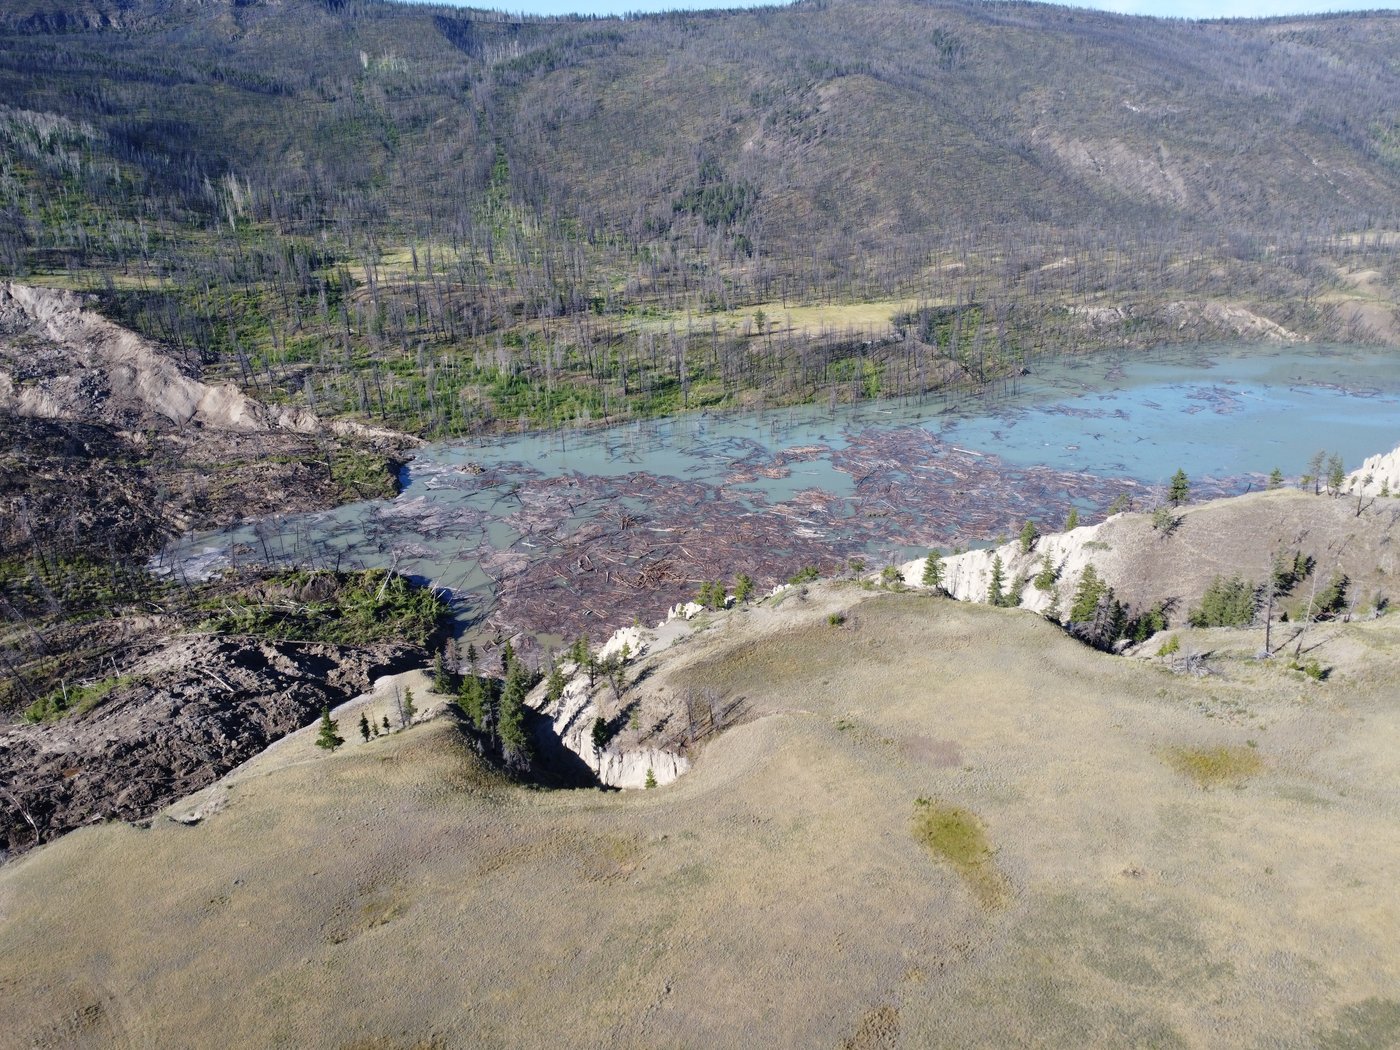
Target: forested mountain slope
x: 446, y: 218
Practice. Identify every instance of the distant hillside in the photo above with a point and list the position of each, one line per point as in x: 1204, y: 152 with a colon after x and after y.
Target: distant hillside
x: 451, y: 219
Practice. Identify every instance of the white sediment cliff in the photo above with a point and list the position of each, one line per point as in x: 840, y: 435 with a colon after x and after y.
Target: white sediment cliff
x: 968, y: 576
x: 1379, y: 473
x: 574, y: 713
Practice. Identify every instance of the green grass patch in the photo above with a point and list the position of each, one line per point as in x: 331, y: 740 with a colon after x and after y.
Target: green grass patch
x: 76, y: 701
x: 1214, y: 766
x: 957, y: 837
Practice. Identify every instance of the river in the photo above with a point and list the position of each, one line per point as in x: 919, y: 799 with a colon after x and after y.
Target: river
x: 556, y: 533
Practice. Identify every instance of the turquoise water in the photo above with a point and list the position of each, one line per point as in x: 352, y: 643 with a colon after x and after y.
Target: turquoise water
x: 475, y: 514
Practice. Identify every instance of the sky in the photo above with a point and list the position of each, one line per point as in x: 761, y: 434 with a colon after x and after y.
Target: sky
x: 1170, y: 8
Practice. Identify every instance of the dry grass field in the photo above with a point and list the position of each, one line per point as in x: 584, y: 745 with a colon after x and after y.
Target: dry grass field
x: 941, y: 825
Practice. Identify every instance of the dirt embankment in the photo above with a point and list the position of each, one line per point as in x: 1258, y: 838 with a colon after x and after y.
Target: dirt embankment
x: 61, y: 360
x: 184, y: 713
x: 106, y: 428
x: 109, y: 445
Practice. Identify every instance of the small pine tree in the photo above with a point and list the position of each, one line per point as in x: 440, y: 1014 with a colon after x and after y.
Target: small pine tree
x: 1072, y: 522
x: 1029, y: 534
x: 1087, y: 595
x: 743, y: 588
x: 1048, y: 574
x: 1314, y: 475
x: 471, y: 699
x: 600, y: 733
x: 387, y: 727
x: 1179, y: 491
x: 510, y: 719
x: 555, y: 689
x: 1336, y: 474
x: 995, y: 589
x: 407, y: 710
x: 933, y: 569
x: 442, y: 681
x: 471, y: 657
x: 651, y: 778
x: 364, y: 727
x: 328, y: 737
x: 1275, y: 478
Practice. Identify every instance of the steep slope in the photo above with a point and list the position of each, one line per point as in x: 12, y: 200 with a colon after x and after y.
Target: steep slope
x: 453, y: 220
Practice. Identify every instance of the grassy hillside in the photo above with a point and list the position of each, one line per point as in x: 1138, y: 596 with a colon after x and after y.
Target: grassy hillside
x: 942, y: 825
x: 452, y: 219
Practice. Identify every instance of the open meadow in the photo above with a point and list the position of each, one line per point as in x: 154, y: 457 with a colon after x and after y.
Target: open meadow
x: 939, y: 825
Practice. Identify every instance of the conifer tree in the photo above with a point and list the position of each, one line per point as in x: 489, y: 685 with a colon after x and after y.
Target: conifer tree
x: 471, y: 698
x: 995, y: 594
x: 743, y: 588
x: 1180, y: 489
x: 1314, y: 474
x: 933, y: 569
x: 364, y: 726
x: 651, y: 778
x: 1275, y: 478
x: 1029, y: 534
x: 328, y: 737
x: 555, y: 689
x: 510, y: 722
x: 1072, y: 522
x: 1087, y: 595
x: 1336, y: 474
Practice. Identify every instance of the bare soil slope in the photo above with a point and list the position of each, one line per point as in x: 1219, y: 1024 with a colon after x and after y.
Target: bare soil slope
x: 1104, y: 854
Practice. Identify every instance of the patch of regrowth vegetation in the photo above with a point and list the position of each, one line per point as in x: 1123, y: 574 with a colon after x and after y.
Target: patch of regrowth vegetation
x: 1170, y: 647
x: 1312, y: 668
x: 364, y: 475
x: 341, y: 608
x: 1165, y: 520
x: 1214, y: 766
x: 78, y: 700
x: 957, y: 837
x: 807, y: 574
x: 836, y: 619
